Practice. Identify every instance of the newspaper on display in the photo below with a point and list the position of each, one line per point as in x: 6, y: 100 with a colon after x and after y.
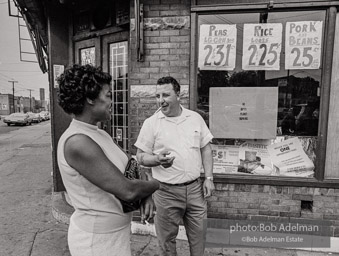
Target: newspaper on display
x: 225, y: 158
x: 278, y: 157
x: 290, y: 158
x: 254, y: 157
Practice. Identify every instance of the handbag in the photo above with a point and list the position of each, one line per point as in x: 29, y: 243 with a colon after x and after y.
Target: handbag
x: 132, y: 172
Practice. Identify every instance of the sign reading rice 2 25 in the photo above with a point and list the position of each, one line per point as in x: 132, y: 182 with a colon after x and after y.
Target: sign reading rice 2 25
x: 217, y: 47
x: 262, y: 46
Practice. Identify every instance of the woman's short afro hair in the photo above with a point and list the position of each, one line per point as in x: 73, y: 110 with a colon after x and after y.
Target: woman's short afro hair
x: 77, y: 84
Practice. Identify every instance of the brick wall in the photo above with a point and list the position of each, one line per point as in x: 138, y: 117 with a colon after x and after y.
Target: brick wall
x: 274, y: 203
x: 166, y: 53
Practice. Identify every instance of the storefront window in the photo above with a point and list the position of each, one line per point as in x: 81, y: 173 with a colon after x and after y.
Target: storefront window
x: 259, y: 83
x: 118, y: 65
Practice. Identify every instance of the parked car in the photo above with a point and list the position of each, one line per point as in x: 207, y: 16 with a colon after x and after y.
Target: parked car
x: 44, y: 115
x: 18, y: 118
x: 37, y: 118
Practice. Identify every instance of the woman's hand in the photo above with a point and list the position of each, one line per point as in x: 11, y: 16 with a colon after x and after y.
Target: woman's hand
x: 147, y: 209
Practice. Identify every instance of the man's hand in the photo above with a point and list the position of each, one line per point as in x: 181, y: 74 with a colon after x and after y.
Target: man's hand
x: 208, y: 188
x: 164, y: 160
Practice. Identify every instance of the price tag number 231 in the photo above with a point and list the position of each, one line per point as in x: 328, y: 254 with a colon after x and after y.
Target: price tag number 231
x: 217, y: 55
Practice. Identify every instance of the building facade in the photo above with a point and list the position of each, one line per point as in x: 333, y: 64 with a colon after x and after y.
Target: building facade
x: 263, y: 74
x: 6, y: 104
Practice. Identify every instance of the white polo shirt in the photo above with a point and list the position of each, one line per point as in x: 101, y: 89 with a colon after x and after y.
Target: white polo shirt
x: 183, y: 136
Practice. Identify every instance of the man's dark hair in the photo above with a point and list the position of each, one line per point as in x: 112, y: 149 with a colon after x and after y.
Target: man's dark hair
x: 170, y: 80
x: 77, y: 84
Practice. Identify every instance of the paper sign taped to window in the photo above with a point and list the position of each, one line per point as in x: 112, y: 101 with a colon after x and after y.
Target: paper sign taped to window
x: 217, y: 47
x: 303, y: 44
x: 225, y: 158
x: 290, y: 158
x: 262, y: 46
x: 243, y: 112
x: 254, y: 157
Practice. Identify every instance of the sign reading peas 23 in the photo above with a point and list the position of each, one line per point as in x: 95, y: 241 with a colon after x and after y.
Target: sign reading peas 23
x: 217, y: 47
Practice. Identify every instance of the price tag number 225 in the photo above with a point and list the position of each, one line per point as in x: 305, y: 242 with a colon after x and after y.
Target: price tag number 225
x: 264, y: 58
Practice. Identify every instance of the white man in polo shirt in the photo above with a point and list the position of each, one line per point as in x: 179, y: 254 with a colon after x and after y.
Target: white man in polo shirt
x: 175, y: 142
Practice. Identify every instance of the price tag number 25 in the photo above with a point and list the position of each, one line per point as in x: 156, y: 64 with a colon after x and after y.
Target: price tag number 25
x: 301, y: 57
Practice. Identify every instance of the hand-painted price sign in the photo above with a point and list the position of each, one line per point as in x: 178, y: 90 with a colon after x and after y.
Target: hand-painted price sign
x: 262, y: 46
x: 217, y: 47
x: 303, y: 44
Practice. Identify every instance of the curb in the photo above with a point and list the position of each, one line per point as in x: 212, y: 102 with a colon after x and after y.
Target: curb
x: 61, y: 210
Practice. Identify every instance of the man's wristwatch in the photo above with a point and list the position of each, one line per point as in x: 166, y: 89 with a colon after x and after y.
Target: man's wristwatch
x: 209, y: 178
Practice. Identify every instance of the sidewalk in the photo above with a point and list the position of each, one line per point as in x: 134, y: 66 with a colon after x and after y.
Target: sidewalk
x: 144, y: 242
x: 33, y: 222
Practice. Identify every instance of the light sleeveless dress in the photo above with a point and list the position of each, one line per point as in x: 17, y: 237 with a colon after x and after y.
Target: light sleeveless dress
x: 98, y: 226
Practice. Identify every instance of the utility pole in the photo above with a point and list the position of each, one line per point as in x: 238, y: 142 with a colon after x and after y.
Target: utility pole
x: 12, y: 81
x: 30, y: 99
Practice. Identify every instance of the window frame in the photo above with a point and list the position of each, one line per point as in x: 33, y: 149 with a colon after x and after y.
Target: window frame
x: 327, y: 57
x: 125, y: 92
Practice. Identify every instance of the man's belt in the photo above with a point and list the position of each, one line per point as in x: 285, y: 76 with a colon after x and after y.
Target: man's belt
x: 181, y: 184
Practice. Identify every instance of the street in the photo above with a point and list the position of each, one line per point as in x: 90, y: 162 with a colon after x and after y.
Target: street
x: 4, y: 128
x: 25, y: 187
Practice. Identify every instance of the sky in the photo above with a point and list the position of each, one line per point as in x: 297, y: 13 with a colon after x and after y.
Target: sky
x: 28, y: 74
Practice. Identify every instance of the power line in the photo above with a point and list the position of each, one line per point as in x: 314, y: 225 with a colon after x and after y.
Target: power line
x: 7, y: 77
x: 5, y: 2
x: 7, y: 85
x: 20, y: 71
x: 20, y: 86
x: 4, y: 79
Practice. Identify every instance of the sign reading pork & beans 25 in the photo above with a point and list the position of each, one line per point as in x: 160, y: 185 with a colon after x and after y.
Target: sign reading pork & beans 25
x: 303, y: 44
